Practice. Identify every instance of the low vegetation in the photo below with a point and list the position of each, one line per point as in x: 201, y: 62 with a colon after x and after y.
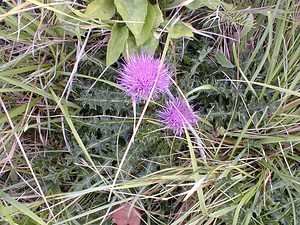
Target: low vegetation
x: 78, y: 148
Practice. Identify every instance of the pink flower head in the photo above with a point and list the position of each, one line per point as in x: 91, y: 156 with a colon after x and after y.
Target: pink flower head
x: 138, y: 76
x: 177, y: 115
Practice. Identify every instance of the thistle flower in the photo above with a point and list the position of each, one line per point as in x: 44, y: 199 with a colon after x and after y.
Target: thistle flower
x: 138, y: 76
x: 177, y: 115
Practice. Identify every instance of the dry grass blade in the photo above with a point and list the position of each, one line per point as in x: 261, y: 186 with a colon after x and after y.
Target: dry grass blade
x: 76, y: 150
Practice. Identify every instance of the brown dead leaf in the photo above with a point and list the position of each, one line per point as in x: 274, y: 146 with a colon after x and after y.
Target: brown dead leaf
x: 122, y: 217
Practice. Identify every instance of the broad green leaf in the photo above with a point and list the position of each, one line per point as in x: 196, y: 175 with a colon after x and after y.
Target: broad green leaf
x: 181, y: 29
x: 147, y: 27
x: 101, y: 9
x: 131, y: 47
x: 158, y: 16
x: 222, y: 59
x: 119, y: 35
x: 212, y: 4
x: 151, y: 44
x: 134, y: 14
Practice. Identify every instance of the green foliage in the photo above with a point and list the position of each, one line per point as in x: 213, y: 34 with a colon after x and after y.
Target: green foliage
x: 116, y: 44
x: 141, y: 23
x: 221, y: 59
x: 101, y: 9
x: 134, y: 19
x: 65, y: 122
x: 212, y: 4
x: 181, y: 30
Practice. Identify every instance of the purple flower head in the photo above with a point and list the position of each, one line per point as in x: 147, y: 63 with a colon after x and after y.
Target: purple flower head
x: 177, y: 115
x: 138, y: 76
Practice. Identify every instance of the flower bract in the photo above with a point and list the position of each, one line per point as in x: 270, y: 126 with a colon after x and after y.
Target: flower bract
x: 177, y: 115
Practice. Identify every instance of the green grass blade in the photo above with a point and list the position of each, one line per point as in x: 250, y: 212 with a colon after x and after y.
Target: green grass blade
x: 23, y: 208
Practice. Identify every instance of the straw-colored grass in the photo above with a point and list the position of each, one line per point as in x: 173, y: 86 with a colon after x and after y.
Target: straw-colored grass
x: 73, y: 147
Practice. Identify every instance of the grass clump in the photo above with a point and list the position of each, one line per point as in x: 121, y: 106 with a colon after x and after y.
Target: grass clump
x: 75, y: 148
